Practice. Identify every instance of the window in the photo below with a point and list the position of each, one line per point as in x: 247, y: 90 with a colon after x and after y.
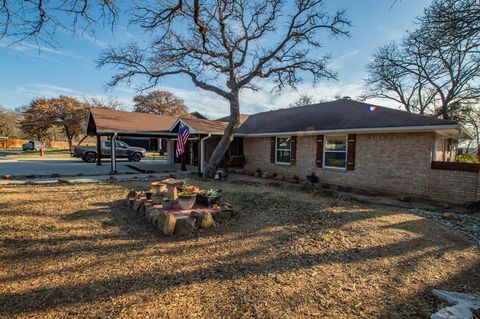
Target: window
x: 335, y: 152
x: 283, y: 150
x: 119, y: 144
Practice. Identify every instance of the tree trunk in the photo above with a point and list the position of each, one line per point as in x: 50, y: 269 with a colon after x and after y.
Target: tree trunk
x: 227, y: 138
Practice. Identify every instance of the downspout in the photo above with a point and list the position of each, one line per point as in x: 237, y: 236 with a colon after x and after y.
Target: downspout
x: 202, y: 151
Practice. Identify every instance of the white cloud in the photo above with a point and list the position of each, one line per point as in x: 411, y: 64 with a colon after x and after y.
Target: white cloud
x: 47, y: 90
x: 39, y: 51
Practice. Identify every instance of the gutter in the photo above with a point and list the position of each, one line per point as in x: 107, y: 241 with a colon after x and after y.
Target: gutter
x: 202, y: 152
x: 359, y: 130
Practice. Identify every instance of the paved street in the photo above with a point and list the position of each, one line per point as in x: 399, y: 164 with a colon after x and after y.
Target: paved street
x: 73, y: 166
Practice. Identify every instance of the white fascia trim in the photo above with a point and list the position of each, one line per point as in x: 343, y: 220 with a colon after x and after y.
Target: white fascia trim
x: 361, y: 130
x: 212, y: 133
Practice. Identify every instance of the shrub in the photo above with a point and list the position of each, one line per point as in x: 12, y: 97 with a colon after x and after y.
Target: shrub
x: 468, y: 158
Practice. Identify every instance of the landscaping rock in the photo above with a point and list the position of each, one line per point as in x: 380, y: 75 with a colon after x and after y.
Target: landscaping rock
x: 460, y: 305
x: 131, y: 198
x: 7, y: 176
x: 137, y: 204
x: 249, y: 173
x: 279, y: 177
x: 185, y: 226
x: 256, y: 174
x: 155, y: 215
x: 166, y: 223
x: 223, y: 215
x: 205, y: 220
x: 195, y: 214
x: 141, y: 209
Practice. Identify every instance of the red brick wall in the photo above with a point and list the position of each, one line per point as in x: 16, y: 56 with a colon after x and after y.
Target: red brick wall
x: 393, y: 162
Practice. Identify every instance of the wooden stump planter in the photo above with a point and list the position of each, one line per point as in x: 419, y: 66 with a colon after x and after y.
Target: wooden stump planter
x: 159, y: 187
x: 167, y: 203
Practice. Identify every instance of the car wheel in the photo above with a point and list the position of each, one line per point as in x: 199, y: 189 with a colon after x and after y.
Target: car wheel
x: 89, y: 157
x: 135, y: 157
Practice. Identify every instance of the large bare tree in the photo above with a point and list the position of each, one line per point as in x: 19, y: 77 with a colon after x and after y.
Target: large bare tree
x: 225, y: 46
x: 160, y: 103
x: 434, y: 69
x: 39, y: 20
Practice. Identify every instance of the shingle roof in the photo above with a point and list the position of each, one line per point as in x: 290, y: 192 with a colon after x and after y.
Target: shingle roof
x: 109, y: 121
x: 205, y: 126
x: 243, y: 118
x: 342, y: 114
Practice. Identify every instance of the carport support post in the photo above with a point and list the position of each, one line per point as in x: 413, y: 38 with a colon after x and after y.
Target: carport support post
x: 113, y: 156
x: 99, y: 151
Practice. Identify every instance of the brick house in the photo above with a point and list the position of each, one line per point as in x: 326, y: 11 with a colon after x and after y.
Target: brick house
x: 353, y: 144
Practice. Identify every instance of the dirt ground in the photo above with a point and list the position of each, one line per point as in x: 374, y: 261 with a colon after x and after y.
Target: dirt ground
x: 77, y: 251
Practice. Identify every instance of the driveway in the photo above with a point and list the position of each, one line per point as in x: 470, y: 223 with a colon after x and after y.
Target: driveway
x: 73, y: 166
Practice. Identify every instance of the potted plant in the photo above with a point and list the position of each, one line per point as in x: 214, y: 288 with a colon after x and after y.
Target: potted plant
x: 167, y: 203
x: 312, y: 178
x: 208, y: 198
x: 191, y: 189
x: 186, y: 200
x: 182, y: 187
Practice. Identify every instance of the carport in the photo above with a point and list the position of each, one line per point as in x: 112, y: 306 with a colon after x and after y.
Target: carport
x: 113, y: 124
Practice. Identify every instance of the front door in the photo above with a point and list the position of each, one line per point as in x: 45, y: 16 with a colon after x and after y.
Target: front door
x: 191, y: 153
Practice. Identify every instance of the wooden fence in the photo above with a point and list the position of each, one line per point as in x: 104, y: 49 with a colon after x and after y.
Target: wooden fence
x: 11, y: 143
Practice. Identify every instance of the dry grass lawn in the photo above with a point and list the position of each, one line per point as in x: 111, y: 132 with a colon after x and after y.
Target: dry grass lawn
x: 77, y: 251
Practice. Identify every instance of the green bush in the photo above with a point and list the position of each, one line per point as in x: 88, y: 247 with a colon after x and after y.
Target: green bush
x: 468, y: 158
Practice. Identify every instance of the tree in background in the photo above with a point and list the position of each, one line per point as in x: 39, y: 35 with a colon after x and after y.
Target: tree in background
x: 435, y: 69
x: 160, y: 103
x: 63, y: 112
x: 303, y: 100
x: 111, y: 103
x: 220, y: 46
x: 9, y: 123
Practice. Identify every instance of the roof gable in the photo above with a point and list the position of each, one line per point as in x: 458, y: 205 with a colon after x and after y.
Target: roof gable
x: 112, y: 121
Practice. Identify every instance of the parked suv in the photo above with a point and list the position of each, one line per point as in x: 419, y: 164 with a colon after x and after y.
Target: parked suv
x: 32, y: 146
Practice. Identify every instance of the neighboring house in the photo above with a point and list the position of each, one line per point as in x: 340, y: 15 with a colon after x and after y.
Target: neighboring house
x: 347, y: 143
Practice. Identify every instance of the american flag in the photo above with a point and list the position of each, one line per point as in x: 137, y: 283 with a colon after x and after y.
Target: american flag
x: 183, y: 134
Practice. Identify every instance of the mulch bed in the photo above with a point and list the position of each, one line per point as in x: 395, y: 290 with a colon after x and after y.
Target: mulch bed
x: 78, y: 251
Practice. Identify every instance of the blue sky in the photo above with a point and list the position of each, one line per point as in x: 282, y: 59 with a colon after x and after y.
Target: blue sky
x: 27, y: 72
